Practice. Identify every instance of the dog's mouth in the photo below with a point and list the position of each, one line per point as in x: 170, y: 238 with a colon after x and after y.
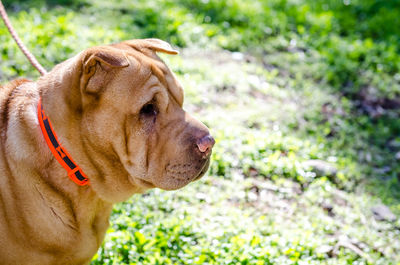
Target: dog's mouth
x: 203, y: 170
x: 174, y: 181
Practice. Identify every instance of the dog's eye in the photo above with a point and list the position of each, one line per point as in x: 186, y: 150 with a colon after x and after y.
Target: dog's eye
x: 149, y: 110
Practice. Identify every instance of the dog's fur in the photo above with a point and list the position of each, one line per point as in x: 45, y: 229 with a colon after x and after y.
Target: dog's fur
x: 118, y: 111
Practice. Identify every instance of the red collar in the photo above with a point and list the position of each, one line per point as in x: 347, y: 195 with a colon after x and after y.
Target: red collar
x: 75, y: 173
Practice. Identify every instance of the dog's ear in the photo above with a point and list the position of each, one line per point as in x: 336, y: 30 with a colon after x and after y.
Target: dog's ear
x: 155, y: 45
x: 98, y: 65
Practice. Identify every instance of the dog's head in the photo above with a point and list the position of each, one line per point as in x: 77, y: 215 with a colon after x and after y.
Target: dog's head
x: 133, y: 125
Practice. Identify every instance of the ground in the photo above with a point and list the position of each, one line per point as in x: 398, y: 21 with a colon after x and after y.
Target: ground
x: 305, y: 113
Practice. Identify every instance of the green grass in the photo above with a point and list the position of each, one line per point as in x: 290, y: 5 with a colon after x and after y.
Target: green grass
x: 279, y: 83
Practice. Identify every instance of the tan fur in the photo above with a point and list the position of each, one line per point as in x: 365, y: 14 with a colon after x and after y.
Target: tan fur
x: 94, y: 101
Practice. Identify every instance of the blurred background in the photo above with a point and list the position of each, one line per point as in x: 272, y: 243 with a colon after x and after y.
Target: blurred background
x: 303, y: 98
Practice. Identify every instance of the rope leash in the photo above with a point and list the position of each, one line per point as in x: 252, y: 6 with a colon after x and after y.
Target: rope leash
x: 14, y: 34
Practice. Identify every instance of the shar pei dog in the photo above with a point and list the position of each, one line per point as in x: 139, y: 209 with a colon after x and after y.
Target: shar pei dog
x: 100, y: 127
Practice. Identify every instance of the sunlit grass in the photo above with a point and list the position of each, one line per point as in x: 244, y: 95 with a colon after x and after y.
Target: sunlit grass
x: 303, y: 80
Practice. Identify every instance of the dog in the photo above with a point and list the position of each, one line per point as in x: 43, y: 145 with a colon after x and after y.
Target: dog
x: 98, y: 128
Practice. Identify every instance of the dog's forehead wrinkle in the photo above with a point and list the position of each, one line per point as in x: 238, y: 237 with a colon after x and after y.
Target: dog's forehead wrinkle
x: 150, y: 88
x: 157, y: 68
x: 168, y: 79
x: 145, y: 82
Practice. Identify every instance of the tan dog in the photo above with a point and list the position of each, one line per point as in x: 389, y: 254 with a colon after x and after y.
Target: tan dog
x: 117, y: 110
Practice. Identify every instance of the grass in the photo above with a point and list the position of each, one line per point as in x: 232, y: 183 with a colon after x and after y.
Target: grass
x: 279, y: 83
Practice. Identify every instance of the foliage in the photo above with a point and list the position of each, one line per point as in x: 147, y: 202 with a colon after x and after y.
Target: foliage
x: 280, y: 83
x: 357, y: 40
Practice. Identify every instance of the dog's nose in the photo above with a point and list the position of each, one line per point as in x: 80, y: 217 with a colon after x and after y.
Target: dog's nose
x: 205, y: 144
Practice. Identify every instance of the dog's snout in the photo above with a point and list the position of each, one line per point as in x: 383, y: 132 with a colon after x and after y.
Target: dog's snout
x: 205, y: 144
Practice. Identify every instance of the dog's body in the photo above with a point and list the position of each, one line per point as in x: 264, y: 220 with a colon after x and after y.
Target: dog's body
x: 118, y: 111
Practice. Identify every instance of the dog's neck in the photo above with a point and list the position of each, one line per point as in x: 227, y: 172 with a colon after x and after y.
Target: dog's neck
x: 76, y: 211
x: 59, y: 92
x: 63, y: 100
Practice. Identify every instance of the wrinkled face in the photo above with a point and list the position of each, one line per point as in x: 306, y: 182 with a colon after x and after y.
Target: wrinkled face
x: 134, y: 115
